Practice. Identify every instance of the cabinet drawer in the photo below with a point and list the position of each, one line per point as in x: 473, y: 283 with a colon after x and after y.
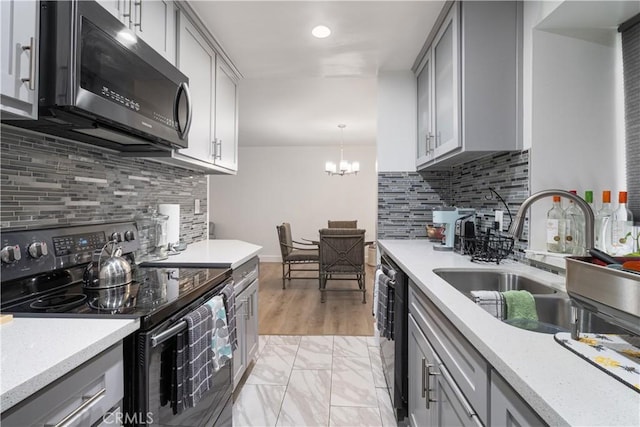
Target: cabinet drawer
x: 88, y: 391
x: 467, y: 367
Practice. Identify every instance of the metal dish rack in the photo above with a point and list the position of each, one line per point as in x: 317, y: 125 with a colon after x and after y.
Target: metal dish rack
x: 490, y: 247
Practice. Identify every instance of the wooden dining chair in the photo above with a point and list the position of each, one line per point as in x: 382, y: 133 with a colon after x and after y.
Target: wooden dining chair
x: 295, y: 253
x: 343, y: 224
x: 342, y: 259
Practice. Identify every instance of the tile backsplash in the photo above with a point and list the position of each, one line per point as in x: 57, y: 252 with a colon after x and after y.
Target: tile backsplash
x: 405, y: 199
x: 48, y: 182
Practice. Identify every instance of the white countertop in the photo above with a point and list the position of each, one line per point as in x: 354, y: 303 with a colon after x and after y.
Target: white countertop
x: 37, y: 351
x: 561, y: 387
x: 212, y: 253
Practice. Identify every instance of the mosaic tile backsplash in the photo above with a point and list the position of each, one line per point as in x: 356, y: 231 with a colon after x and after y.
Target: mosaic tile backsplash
x: 405, y: 199
x: 48, y: 182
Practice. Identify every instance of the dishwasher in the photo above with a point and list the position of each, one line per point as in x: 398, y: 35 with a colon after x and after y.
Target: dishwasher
x: 393, y: 347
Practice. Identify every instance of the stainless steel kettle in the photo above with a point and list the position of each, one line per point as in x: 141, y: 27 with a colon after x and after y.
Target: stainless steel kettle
x: 113, y: 271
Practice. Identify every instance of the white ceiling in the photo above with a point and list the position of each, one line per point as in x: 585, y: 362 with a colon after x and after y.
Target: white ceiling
x: 296, y: 89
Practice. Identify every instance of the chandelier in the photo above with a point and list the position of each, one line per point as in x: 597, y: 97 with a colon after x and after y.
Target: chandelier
x: 345, y: 168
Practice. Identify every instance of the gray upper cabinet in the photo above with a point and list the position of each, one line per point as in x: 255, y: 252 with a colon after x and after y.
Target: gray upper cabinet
x: 469, y: 102
x: 19, y: 62
x: 151, y: 20
x: 198, y: 61
x: 226, y: 118
x: 155, y: 22
x: 213, y: 138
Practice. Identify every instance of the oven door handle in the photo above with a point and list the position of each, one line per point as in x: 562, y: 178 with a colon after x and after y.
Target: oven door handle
x: 171, y: 332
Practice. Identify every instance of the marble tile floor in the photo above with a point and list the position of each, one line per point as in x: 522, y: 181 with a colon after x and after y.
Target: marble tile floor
x: 315, y: 381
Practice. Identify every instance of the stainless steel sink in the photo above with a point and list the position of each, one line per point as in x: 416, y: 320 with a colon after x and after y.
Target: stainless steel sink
x: 556, y: 310
x: 553, y: 306
x: 467, y: 280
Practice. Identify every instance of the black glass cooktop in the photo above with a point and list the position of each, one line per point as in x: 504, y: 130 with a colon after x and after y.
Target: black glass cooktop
x: 153, y: 296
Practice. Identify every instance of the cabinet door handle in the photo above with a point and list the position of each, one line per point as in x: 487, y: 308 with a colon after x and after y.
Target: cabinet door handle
x: 463, y: 400
x: 138, y: 24
x: 219, y: 150
x: 91, y: 401
x: 424, y: 375
x: 31, y: 80
x: 213, y: 147
x: 428, y: 386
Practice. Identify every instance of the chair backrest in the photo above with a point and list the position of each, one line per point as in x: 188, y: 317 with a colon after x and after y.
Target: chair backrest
x: 341, y: 250
x: 343, y: 224
x: 285, y: 239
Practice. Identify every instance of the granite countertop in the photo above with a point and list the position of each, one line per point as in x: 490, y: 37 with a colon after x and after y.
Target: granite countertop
x: 37, y: 351
x: 561, y: 387
x: 212, y: 253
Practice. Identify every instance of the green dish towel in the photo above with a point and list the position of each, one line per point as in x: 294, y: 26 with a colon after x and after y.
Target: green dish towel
x: 520, y: 305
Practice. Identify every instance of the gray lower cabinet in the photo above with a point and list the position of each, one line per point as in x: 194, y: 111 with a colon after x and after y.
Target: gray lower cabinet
x: 507, y: 408
x: 434, y: 397
x: 448, y: 379
x: 246, y: 278
x: 91, y: 394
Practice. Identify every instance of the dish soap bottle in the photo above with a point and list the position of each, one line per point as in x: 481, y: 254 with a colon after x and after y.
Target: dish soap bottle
x: 621, y: 242
x: 555, y: 227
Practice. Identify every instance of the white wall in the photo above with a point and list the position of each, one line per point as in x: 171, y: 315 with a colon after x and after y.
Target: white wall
x: 288, y: 184
x: 397, y: 121
x: 575, y: 131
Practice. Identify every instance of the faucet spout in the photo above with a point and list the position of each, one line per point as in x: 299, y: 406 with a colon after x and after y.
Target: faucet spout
x: 517, y: 226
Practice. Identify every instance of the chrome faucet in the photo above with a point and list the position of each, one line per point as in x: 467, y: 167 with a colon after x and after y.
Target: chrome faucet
x: 517, y: 225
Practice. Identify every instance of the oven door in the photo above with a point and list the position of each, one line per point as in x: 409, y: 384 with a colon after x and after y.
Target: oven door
x: 151, y: 385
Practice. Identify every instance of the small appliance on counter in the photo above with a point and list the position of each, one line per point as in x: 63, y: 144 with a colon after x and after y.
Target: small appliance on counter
x: 446, y: 217
x: 465, y: 234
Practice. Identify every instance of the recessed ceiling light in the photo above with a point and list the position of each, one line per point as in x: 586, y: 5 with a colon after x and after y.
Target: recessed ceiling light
x: 321, y: 32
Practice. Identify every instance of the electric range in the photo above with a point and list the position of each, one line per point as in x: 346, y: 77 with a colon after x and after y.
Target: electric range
x: 42, y: 276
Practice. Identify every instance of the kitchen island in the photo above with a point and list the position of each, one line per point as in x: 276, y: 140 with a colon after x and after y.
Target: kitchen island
x: 558, y: 385
x: 38, y: 351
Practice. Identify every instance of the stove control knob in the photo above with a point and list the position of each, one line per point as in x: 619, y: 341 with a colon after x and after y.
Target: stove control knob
x: 116, y: 236
x: 129, y: 236
x: 38, y: 250
x: 10, y: 254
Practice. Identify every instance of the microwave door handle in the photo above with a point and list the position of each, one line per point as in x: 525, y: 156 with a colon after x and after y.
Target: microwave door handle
x: 183, y: 131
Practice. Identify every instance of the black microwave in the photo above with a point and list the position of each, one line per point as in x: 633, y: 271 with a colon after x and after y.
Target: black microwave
x: 101, y: 84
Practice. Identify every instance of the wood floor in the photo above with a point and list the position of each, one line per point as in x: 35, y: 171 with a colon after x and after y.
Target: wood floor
x: 297, y: 310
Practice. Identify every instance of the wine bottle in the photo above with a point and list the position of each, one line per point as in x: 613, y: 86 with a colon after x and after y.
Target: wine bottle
x: 574, y: 229
x: 621, y: 242
x: 555, y: 227
x: 602, y: 226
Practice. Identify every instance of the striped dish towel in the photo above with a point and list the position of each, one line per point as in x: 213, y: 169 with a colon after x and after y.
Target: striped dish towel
x: 491, y: 301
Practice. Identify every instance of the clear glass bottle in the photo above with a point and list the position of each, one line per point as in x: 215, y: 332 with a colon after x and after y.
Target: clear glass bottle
x: 602, y: 226
x: 621, y: 242
x: 574, y: 229
x: 555, y: 227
